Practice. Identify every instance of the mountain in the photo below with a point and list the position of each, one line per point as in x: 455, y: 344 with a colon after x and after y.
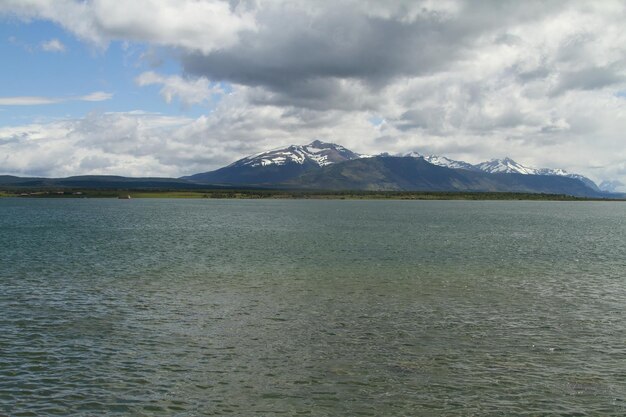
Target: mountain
x: 317, y: 153
x: 393, y: 173
x: 561, y: 172
x: 442, y: 161
x: 278, y: 165
x: 611, y: 186
x: 321, y: 165
x: 503, y: 166
x: 509, y: 166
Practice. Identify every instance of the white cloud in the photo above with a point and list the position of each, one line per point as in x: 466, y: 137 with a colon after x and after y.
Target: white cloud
x: 196, y: 25
x: 53, y: 45
x: 109, y: 143
x: 27, y: 101
x: 96, y: 96
x: 144, y: 144
x: 38, y: 100
x: 188, y: 91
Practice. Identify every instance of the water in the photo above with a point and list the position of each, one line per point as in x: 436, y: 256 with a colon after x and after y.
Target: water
x: 321, y: 308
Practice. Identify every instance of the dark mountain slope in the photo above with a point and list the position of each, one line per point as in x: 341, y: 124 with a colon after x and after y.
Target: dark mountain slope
x: 415, y: 174
x: 237, y: 175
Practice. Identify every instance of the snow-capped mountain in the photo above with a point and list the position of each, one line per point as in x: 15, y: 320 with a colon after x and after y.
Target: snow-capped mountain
x: 284, y: 164
x: 442, y: 161
x: 505, y: 166
x: 562, y: 173
x: 501, y: 166
x: 509, y: 166
x: 277, y: 165
x: 317, y: 152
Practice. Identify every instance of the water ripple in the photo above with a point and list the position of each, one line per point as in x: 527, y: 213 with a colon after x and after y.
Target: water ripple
x: 318, y: 308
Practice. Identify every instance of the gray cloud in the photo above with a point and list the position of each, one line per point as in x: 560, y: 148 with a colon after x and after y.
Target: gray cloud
x: 301, y: 56
x: 337, y: 46
x: 589, y: 79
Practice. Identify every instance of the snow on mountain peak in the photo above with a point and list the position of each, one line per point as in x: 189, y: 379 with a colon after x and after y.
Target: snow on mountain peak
x: 502, y: 166
x: 317, y: 153
x: 505, y: 166
x: 441, y: 161
x: 509, y: 166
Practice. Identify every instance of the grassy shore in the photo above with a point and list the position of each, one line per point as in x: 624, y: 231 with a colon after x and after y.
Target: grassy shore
x: 291, y: 194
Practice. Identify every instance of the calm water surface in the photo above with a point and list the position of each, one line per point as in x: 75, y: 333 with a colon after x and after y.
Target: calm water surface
x: 321, y: 308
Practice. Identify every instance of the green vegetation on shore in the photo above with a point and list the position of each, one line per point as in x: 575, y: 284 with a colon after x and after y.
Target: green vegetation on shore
x: 293, y: 194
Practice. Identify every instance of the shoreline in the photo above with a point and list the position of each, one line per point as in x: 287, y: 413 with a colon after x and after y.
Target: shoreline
x: 297, y: 195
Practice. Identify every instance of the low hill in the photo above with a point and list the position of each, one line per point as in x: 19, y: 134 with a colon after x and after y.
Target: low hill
x: 96, y: 182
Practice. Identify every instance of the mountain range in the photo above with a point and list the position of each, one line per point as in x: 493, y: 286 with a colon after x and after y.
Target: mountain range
x: 328, y: 166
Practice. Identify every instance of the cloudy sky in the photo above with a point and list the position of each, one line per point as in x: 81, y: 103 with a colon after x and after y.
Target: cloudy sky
x: 174, y: 87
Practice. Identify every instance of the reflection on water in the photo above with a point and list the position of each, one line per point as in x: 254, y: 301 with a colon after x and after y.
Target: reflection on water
x: 324, y: 308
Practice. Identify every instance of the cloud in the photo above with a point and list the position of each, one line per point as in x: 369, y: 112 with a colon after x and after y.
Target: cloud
x: 99, y: 143
x: 142, y: 144
x: 36, y: 100
x: 53, y: 45
x: 96, y: 96
x: 188, y: 91
x: 589, y: 79
x: 195, y: 25
x: 27, y: 101
x: 317, y: 52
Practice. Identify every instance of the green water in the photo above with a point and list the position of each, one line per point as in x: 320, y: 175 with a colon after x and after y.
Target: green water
x: 321, y: 308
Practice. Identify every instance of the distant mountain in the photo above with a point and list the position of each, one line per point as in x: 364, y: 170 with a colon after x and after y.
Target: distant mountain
x: 448, y: 163
x: 442, y: 161
x: 560, y: 172
x: 278, y: 165
x: 303, y: 165
x: 503, y: 166
x: 509, y: 166
x: 393, y: 173
x: 611, y: 186
x: 322, y: 165
x: 317, y: 152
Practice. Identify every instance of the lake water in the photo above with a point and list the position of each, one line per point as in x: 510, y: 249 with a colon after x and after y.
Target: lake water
x: 321, y: 308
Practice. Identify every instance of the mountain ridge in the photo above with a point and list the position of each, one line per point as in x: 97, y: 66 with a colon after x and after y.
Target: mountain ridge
x: 505, y: 165
x: 328, y: 166
x: 284, y: 164
x: 393, y: 173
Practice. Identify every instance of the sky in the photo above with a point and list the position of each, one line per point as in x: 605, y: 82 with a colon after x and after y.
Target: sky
x: 176, y: 87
